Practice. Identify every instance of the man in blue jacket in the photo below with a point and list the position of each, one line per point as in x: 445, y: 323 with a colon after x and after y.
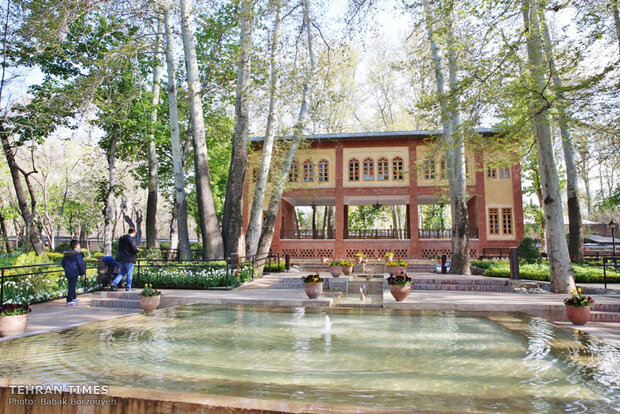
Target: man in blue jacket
x: 73, y: 263
x: 126, y: 256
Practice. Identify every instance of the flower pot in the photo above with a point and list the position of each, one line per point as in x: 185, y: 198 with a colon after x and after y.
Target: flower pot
x: 335, y: 270
x: 400, y: 292
x: 578, y: 315
x: 149, y: 303
x: 347, y: 270
x: 13, y: 325
x: 313, y: 290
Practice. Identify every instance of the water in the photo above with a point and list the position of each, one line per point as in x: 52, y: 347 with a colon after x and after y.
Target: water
x: 446, y: 362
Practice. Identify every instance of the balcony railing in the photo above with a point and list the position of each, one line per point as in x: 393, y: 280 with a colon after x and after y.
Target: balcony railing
x: 442, y: 233
x: 401, y: 234
x: 307, y: 234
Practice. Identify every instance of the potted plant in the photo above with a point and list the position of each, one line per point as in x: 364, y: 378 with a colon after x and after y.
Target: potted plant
x: 360, y: 257
x: 396, y: 266
x: 389, y: 256
x: 149, y: 298
x: 335, y: 268
x: 13, y: 319
x: 578, y: 307
x: 313, y: 285
x: 400, y: 285
x: 347, y: 267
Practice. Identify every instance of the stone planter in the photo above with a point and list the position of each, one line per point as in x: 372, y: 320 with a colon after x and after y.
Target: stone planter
x: 578, y: 315
x: 335, y: 270
x: 13, y: 325
x: 150, y: 303
x: 313, y: 290
x: 400, y: 292
x: 347, y: 270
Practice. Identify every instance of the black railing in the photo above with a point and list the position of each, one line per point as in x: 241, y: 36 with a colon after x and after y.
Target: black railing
x: 401, y: 234
x: 307, y: 234
x: 614, y: 262
x: 18, y: 274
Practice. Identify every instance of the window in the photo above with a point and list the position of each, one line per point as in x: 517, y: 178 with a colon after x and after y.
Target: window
x: 293, y: 174
x: 443, y: 174
x: 504, y: 172
x: 308, y: 171
x: 383, y: 171
x: 397, y: 168
x: 354, y: 170
x: 507, y: 220
x: 369, y: 169
x: 491, y: 172
x: 493, y: 221
x: 429, y: 170
x: 323, y: 170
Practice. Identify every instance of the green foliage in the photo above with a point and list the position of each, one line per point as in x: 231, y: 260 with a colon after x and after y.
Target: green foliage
x: 148, y: 291
x: 366, y: 217
x: 396, y: 263
x: 274, y: 267
x: 150, y: 254
x: 55, y: 257
x: 62, y: 247
x: 528, y: 252
x: 9, y: 259
x: 178, y: 277
x: 583, y: 273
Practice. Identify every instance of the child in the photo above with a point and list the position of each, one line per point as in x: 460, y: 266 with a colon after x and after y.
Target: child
x: 112, y: 269
x: 73, y: 263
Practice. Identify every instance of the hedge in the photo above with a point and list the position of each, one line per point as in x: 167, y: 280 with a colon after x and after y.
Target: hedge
x: 583, y: 273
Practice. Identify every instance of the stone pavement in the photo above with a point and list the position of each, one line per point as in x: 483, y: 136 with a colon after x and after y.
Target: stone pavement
x: 55, y: 315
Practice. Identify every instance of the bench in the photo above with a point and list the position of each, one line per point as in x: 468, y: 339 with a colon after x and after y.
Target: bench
x: 495, y: 253
x: 596, y: 254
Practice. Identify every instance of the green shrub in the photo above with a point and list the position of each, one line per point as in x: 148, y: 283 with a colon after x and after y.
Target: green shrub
x: 274, y: 267
x: 150, y: 254
x: 8, y: 259
x: 483, y: 264
x: 528, y: 252
x: 540, y: 271
x: 55, y: 257
x: 62, y: 247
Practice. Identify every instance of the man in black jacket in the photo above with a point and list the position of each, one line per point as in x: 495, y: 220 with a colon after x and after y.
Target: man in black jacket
x: 73, y: 263
x: 126, y: 256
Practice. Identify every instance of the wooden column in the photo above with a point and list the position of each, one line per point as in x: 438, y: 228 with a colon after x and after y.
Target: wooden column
x: 412, y: 208
x: 339, y: 249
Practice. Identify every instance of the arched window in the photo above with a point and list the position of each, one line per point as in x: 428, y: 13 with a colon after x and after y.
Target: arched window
x: 383, y: 169
x: 397, y: 168
x: 308, y: 171
x: 323, y: 170
x: 294, y: 173
x: 354, y: 169
x: 369, y: 169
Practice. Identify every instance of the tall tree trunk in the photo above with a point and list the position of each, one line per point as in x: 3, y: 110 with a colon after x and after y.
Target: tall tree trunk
x: 109, y: 209
x: 5, y: 234
x: 185, y: 252
x: 173, y: 241
x: 324, y: 227
x: 585, y: 177
x: 82, y: 236
x: 152, y: 236
x: 276, y: 194
x: 562, y: 280
x: 256, y: 213
x: 314, y: 235
x: 614, y: 10
x: 212, y: 243
x: 233, y: 204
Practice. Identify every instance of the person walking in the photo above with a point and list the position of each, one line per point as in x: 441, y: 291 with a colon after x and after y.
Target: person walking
x: 73, y: 263
x: 126, y: 256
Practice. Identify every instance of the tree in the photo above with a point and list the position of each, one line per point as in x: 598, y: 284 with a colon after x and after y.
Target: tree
x: 212, y: 243
x: 562, y: 280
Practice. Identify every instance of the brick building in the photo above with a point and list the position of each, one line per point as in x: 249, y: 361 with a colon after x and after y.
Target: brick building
x: 392, y: 168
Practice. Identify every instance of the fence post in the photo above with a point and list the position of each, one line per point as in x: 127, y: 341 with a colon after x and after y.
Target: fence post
x: 287, y: 261
x: 2, y: 287
x: 444, y: 268
x: 604, y: 272
x: 513, y: 256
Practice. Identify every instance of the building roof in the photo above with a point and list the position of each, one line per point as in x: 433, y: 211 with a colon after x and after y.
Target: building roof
x: 601, y: 239
x: 371, y: 135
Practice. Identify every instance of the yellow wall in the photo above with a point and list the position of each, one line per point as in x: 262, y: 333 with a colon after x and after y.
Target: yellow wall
x: 375, y: 153
x: 315, y: 155
x: 422, y: 154
x: 498, y: 193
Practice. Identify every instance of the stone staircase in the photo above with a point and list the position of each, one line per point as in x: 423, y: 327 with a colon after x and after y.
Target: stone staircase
x: 605, y: 312
x: 119, y: 299
x: 463, y: 285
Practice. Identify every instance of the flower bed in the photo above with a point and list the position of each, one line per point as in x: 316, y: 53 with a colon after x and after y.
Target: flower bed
x: 583, y: 273
x: 176, y: 277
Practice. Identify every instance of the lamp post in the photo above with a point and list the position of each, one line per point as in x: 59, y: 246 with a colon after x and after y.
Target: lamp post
x: 612, y: 226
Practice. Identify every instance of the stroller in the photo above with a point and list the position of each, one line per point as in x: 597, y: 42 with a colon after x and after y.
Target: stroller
x: 107, y: 270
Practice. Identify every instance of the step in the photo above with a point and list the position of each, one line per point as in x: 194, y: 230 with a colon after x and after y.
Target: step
x: 606, y: 307
x: 604, y: 316
x: 119, y: 295
x: 462, y: 288
x: 115, y: 303
x: 462, y: 282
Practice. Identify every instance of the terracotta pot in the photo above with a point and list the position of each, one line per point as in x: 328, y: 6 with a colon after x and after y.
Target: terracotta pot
x: 335, y: 270
x: 578, y: 315
x: 400, y: 292
x: 149, y: 303
x: 347, y: 270
x: 313, y: 290
x: 13, y: 325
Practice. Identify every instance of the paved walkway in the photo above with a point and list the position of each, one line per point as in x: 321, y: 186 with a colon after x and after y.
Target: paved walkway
x: 55, y: 315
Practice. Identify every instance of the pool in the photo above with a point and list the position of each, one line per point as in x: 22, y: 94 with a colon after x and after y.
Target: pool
x: 359, y: 357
